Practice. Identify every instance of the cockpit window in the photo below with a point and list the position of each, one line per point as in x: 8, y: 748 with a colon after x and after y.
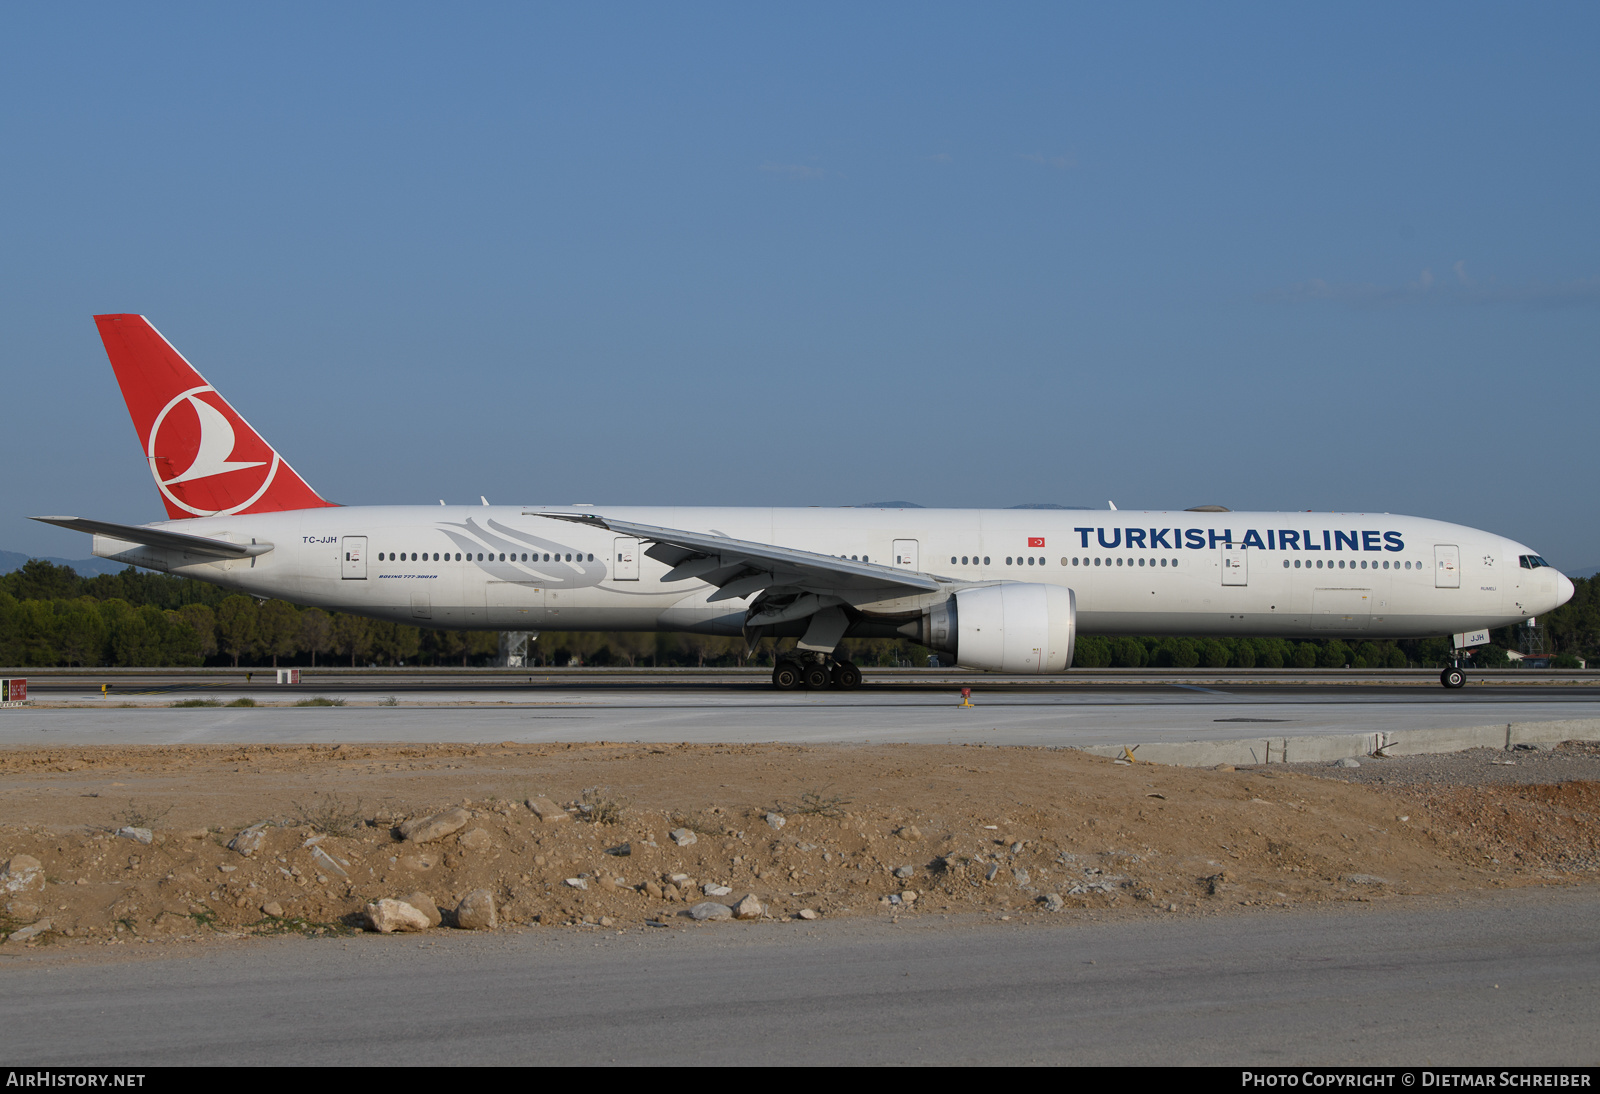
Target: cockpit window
x: 1532, y: 562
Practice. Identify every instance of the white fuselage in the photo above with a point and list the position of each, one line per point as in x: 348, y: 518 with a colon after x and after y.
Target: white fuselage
x: 1145, y: 573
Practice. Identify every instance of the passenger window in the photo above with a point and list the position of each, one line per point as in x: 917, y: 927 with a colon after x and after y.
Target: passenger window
x: 1285, y: 564
x: 1119, y: 562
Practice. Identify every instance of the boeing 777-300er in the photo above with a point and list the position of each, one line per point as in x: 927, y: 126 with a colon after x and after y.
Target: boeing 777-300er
x: 1002, y: 590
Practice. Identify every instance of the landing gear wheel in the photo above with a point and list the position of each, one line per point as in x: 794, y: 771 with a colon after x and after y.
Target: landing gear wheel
x: 817, y: 676
x: 786, y: 676
x: 1453, y: 678
x: 846, y: 676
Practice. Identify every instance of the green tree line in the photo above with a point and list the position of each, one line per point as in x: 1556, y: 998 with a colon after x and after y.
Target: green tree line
x: 51, y: 616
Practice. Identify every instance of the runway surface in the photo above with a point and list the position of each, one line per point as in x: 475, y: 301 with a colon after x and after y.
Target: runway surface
x: 598, y: 710
x: 1399, y: 983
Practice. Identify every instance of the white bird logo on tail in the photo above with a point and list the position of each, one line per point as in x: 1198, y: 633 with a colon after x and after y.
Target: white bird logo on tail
x: 216, y: 445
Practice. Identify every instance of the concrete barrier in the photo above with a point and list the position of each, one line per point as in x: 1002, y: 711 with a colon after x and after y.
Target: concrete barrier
x: 1330, y: 747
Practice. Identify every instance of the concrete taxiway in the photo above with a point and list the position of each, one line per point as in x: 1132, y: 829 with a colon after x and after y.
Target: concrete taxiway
x: 600, y: 709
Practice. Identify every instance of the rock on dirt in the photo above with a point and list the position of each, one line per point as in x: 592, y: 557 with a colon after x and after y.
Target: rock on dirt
x: 327, y: 862
x: 776, y: 820
x: 436, y: 827
x: 748, y: 908
x: 905, y: 871
x: 1347, y: 762
x: 272, y: 908
x: 24, y: 874
x: 137, y: 835
x: 424, y: 903
x: 387, y: 916
x: 683, y: 837
x: 475, y: 840
x: 807, y: 913
x: 1052, y: 902
x: 31, y: 931
x: 547, y: 811
x: 250, y: 840
x: 476, y: 911
x: 710, y: 909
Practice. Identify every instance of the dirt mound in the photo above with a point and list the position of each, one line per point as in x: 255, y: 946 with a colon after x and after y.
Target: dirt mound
x: 1544, y: 831
x: 898, y: 830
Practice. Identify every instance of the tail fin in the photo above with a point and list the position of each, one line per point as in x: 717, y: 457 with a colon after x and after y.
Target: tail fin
x: 206, y: 459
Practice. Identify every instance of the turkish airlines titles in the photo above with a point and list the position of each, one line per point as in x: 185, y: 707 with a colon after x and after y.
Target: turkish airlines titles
x: 1276, y: 539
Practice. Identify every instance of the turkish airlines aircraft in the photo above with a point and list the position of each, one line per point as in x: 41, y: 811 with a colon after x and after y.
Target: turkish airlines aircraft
x: 1003, y: 590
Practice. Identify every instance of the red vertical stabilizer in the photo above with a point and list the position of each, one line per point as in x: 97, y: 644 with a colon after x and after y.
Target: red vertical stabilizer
x: 206, y: 459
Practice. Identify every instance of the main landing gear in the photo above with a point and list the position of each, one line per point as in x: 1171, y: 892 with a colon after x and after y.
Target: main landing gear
x: 815, y: 673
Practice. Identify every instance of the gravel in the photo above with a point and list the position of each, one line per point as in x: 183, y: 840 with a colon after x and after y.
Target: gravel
x: 1567, y: 762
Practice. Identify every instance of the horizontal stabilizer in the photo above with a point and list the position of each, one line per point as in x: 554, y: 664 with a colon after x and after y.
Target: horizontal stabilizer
x: 160, y: 537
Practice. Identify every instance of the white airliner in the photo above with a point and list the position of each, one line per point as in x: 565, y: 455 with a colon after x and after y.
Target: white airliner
x: 1004, y: 590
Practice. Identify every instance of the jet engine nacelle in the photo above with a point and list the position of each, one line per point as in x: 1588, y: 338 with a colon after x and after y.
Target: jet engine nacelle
x: 1012, y: 627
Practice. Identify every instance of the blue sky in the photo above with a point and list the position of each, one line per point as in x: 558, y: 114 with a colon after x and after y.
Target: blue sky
x: 1265, y: 256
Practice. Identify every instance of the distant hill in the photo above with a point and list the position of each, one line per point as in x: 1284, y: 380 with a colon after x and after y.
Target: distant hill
x: 86, y: 567
x: 890, y: 505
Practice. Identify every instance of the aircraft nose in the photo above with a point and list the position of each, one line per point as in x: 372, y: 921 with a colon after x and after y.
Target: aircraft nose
x: 1564, y: 589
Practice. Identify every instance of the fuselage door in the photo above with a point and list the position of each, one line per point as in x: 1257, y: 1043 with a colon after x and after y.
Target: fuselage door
x: 1446, y: 566
x: 905, y: 554
x: 625, y: 560
x: 353, y: 551
x: 1235, y: 566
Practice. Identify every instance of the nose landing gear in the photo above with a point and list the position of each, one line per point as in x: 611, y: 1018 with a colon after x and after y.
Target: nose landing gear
x: 815, y: 673
x: 1453, y: 677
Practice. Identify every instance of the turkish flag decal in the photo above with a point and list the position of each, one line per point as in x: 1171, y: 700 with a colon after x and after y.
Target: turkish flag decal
x: 1035, y: 541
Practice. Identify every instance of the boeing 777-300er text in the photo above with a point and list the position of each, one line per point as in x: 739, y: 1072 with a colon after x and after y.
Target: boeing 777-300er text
x: 1002, y: 590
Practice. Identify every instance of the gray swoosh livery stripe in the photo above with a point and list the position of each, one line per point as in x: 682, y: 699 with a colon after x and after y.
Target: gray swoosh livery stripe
x: 570, y: 575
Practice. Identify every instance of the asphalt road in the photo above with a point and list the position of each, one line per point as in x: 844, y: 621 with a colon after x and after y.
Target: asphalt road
x: 1498, y: 979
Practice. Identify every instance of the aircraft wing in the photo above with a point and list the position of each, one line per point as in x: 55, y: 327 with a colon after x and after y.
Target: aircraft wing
x: 739, y: 567
x: 160, y: 537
